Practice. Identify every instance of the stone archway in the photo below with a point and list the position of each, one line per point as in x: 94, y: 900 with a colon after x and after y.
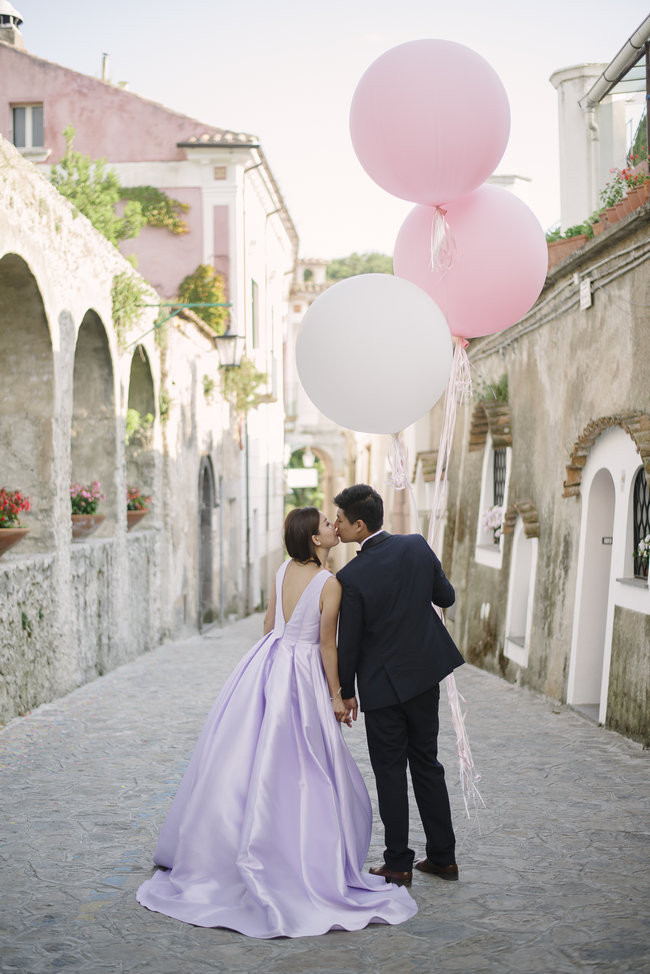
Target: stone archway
x: 589, y: 645
x: 529, y: 516
x: 140, y: 461
x: 27, y: 399
x: 93, y: 429
x: 491, y: 417
x: 636, y: 425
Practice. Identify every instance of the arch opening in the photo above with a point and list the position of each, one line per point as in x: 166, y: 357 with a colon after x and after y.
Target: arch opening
x: 27, y: 400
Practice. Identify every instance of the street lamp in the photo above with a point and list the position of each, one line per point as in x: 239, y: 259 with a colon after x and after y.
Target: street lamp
x: 231, y: 350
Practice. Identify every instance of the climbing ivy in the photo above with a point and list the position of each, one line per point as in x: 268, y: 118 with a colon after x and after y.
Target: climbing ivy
x: 488, y: 392
x: 127, y: 296
x: 138, y: 427
x: 205, y: 286
x: 94, y: 190
x: 158, y: 209
x: 164, y: 405
x: 240, y: 386
x: 208, y: 388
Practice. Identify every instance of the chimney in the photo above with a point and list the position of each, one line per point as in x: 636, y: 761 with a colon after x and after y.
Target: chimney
x: 590, y: 143
x: 10, y: 21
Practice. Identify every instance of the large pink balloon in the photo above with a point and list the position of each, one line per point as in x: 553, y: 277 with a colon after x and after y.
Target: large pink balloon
x: 429, y: 120
x: 500, y: 265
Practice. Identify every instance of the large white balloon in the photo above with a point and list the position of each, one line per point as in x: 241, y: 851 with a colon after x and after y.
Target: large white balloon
x: 374, y: 353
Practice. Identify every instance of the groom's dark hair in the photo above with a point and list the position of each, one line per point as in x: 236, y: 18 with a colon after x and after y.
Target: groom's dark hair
x: 361, y: 503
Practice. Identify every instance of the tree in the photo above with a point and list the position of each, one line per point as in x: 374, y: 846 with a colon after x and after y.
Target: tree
x: 372, y: 263
x: 305, y: 496
x: 95, y: 190
x: 205, y: 286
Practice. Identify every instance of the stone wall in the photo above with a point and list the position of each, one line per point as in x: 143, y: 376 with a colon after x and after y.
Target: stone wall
x: 71, y: 611
x: 629, y: 676
x: 573, y: 375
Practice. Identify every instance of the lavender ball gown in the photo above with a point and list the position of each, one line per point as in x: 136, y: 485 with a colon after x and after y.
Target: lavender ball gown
x: 270, y: 827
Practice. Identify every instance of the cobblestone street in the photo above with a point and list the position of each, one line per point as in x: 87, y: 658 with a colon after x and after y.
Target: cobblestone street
x: 553, y: 872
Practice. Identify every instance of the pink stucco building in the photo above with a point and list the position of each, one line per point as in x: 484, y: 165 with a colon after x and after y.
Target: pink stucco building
x: 235, y: 206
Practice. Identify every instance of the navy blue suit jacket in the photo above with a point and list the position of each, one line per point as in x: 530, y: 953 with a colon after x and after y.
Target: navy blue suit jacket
x: 390, y: 636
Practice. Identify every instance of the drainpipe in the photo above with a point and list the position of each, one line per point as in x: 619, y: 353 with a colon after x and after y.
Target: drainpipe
x: 594, y: 150
x: 629, y: 54
x: 221, y: 549
x: 647, y: 99
x: 247, y: 597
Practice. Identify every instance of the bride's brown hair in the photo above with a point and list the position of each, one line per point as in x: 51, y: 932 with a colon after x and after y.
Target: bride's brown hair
x: 299, y: 526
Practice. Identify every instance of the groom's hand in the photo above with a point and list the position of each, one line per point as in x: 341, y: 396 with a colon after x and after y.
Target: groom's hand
x: 351, y: 706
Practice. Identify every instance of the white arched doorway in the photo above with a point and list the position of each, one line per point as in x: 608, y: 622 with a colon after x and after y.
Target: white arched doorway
x: 590, y: 626
x: 521, y: 590
x: 606, y: 586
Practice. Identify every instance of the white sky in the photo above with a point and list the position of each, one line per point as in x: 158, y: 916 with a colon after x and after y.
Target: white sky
x: 286, y: 71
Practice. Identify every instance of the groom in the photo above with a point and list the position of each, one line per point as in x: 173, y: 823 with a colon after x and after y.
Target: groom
x: 392, y: 640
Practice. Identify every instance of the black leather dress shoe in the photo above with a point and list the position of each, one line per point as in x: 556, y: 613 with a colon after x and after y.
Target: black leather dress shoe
x: 445, y: 872
x: 392, y: 875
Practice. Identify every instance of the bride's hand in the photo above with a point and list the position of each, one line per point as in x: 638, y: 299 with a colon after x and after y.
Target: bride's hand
x: 341, y: 712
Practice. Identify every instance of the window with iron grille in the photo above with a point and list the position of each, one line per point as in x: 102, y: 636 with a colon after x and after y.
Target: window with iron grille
x: 499, y: 476
x: 641, y: 509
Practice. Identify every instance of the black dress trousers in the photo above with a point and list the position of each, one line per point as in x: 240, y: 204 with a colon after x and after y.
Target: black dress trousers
x: 408, y: 733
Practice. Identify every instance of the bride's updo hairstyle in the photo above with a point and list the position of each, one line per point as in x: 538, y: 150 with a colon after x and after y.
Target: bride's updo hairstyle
x: 299, y: 526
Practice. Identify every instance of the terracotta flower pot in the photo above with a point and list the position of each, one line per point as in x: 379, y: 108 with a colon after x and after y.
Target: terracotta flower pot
x: 598, y: 227
x: 11, y: 536
x: 636, y: 197
x: 621, y: 209
x: 134, y: 517
x: 559, y: 249
x: 612, y: 215
x: 83, y: 525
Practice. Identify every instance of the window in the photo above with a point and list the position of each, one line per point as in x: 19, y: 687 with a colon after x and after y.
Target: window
x: 499, y: 475
x: 28, y: 126
x: 494, y: 496
x: 521, y: 590
x: 641, y: 523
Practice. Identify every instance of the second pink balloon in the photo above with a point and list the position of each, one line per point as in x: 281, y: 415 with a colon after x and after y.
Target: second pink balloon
x: 500, y: 266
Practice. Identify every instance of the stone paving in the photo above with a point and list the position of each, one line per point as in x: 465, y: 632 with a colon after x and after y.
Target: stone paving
x: 554, y: 871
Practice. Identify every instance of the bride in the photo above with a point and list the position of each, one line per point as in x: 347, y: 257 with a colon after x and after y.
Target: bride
x: 270, y: 827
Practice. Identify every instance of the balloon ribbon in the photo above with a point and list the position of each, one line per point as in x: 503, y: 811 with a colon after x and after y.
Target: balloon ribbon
x: 459, y: 388
x: 443, y: 244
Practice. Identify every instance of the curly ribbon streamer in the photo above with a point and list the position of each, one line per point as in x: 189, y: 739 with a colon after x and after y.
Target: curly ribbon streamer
x: 399, y: 467
x: 398, y: 461
x: 443, y: 244
x: 459, y: 388
x: 468, y: 774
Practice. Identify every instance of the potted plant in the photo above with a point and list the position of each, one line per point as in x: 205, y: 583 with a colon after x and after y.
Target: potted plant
x: 612, y: 194
x: 12, y: 502
x: 598, y: 221
x: 137, y: 506
x: 638, y: 183
x: 642, y: 553
x: 560, y: 245
x: 492, y: 520
x: 85, y: 501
